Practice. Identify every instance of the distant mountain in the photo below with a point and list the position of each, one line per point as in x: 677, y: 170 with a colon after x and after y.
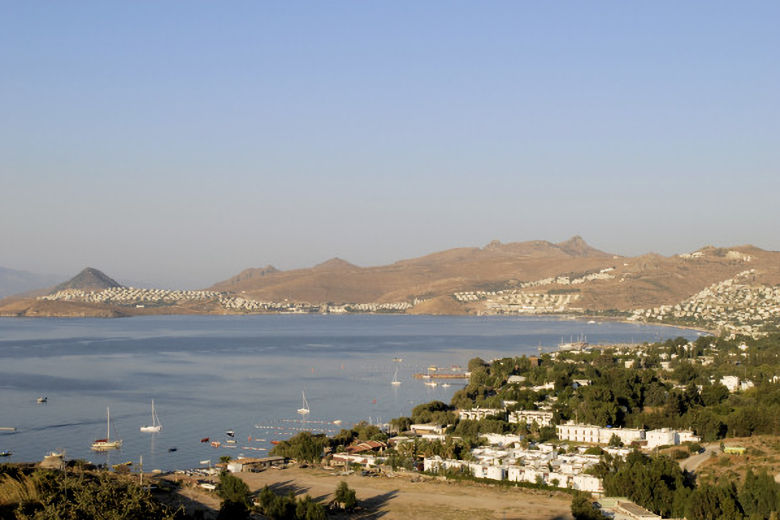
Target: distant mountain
x: 534, y: 276
x: 90, y: 279
x: 13, y: 281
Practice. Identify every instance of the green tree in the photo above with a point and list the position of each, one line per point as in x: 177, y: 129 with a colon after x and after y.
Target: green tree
x: 345, y: 496
x: 583, y: 509
x: 235, y: 497
x: 759, y: 494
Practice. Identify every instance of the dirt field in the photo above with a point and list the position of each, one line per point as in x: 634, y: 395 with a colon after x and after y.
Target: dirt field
x: 763, y: 453
x: 401, y: 498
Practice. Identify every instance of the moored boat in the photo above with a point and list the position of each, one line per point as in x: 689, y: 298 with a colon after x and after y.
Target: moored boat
x: 304, y: 409
x: 107, y: 443
x: 156, y: 425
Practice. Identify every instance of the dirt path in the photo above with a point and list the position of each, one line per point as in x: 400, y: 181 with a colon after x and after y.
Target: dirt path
x: 692, y: 463
x: 401, y: 498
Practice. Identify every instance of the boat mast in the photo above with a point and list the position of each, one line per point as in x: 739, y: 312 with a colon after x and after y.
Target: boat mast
x: 108, y: 424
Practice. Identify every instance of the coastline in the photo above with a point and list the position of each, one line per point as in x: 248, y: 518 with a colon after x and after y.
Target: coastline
x: 111, y: 312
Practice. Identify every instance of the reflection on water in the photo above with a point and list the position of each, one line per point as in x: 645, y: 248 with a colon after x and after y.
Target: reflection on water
x: 211, y: 374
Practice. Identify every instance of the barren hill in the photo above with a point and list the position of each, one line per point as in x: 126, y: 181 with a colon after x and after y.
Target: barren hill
x: 522, y: 277
x: 596, y: 280
x: 445, y: 272
x: 89, y: 279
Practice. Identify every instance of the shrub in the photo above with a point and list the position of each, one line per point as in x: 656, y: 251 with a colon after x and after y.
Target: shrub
x: 345, y: 497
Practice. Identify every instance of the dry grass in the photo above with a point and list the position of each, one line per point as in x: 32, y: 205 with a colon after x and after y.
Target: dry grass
x: 14, y: 491
x: 763, y: 453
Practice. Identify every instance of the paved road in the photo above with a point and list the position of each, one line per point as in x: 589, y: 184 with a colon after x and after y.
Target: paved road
x: 693, y: 462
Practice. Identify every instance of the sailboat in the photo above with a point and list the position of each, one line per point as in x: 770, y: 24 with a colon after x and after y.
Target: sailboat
x: 156, y: 425
x: 107, y: 443
x: 304, y: 410
x: 395, y: 381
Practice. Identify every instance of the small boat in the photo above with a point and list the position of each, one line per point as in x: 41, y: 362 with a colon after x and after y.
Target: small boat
x: 395, y: 381
x: 304, y: 409
x: 230, y: 433
x: 397, y: 359
x: 337, y: 422
x: 107, y: 443
x: 216, y: 444
x: 5, y: 453
x: 431, y: 383
x: 171, y: 450
x: 156, y: 425
x: 446, y: 385
x: 205, y: 462
x: 42, y: 399
x: 204, y: 439
x: 231, y: 441
x: 275, y: 442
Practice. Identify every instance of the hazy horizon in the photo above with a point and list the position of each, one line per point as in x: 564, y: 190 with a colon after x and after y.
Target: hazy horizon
x: 179, y: 146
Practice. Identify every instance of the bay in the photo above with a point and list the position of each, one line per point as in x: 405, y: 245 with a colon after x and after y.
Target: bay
x: 210, y: 374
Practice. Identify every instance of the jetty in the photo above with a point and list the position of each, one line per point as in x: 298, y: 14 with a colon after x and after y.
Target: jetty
x: 462, y: 375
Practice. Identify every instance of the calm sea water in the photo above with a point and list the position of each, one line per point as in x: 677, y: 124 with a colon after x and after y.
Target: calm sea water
x: 209, y: 374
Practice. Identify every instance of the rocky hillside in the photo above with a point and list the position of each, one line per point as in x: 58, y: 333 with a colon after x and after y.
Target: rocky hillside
x: 89, y: 279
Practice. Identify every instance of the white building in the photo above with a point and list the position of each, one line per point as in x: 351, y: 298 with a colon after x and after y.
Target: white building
x: 541, y: 418
x: 477, y: 414
x: 662, y: 437
x: 730, y: 382
x: 597, y: 435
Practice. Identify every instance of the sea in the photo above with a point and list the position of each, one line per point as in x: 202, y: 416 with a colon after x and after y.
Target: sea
x: 247, y: 374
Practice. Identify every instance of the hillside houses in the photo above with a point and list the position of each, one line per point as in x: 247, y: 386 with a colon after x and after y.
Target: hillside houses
x: 540, y: 464
x: 141, y: 298
x: 737, y: 305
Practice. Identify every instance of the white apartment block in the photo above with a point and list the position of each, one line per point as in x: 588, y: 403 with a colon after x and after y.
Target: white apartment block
x: 477, y: 414
x: 541, y: 418
x: 597, y: 435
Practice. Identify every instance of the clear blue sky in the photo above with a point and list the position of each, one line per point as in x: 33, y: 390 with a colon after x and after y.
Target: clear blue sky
x: 180, y: 142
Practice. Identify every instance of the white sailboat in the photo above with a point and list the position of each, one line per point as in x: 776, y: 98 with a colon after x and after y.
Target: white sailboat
x: 156, y: 424
x: 395, y: 381
x: 107, y: 443
x: 304, y: 409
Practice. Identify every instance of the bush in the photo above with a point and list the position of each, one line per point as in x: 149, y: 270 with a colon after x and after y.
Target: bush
x: 680, y: 454
x: 345, y: 497
x: 235, y: 497
x: 583, y: 509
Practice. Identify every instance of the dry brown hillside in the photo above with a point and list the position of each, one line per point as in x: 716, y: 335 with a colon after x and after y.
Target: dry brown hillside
x: 442, y: 273
x: 590, y: 279
x: 645, y: 281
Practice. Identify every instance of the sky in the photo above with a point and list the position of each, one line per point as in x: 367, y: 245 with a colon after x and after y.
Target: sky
x: 177, y: 143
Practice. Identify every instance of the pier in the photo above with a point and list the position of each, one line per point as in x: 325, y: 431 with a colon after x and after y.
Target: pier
x: 464, y: 375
